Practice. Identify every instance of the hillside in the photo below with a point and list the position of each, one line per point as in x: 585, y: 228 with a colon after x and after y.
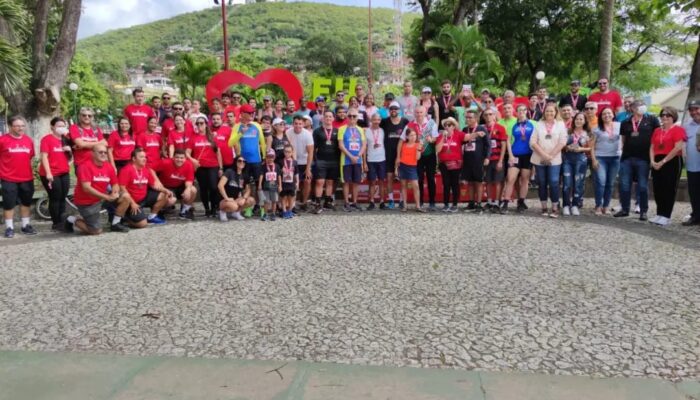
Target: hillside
x: 270, y: 30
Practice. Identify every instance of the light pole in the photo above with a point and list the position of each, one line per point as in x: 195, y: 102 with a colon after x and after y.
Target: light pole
x: 73, y: 87
x: 369, y: 46
x: 223, y: 24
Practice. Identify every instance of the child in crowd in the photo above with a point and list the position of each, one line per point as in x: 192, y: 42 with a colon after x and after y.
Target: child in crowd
x: 407, y: 167
x: 290, y: 182
x: 269, y: 185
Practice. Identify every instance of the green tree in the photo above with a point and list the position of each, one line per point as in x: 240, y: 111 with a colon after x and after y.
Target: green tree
x: 337, y: 54
x: 90, y: 93
x: 14, y: 70
x: 463, y: 57
x: 193, y: 71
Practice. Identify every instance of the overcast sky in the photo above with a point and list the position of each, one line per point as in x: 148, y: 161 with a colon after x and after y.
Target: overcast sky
x: 103, y: 15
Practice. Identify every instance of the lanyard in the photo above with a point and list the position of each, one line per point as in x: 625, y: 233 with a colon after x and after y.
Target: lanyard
x: 329, y: 134
x: 635, y: 125
x: 549, y: 127
x: 375, y: 136
x: 574, y: 100
x: 523, y: 130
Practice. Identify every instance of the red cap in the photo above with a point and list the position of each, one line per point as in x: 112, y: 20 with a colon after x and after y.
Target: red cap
x: 247, y: 108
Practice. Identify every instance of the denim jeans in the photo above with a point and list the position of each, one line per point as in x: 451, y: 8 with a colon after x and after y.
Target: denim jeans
x: 548, y: 178
x: 638, y: 170
x: 604, y: 179
x: 574, y: 175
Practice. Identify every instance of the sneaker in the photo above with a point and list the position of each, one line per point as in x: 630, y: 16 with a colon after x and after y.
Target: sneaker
x: 421, y: 210
x: 615, y: 209
x: 223, y: 217
x: 401, y: 204
x: 643, y: 216
x: 9, y: 233
x: 347, y: 207
x: 208, y: 213
x: 663, y: 221
x: 371, y: 206
x: 303, y: 207
x: 504, y: 209
x: 355, y: 207
x: 621, y: 214
x: 454, y: 209
x: 637, y: 210
x: 288, y: 215
x: 382, y: 206
x: 575, y: 211
x: 67, y: 226
x: 521, y: 207
x: 318, y: 208
x: 445, y: 209
x: 391, y: 205
x: 248, y: 212
x: 156, y: 220
x: 432, y: 208
x: 237, y: 216
x: 566, y: 211
x: 188, y: 215
x: 264, y: 218
x: 690, y: 222
x: 655, y: 220
x: 478, y: 209
x: 471, y: 206
x: 272, y: 217
x: 29, y: 230
x: 119, y: 228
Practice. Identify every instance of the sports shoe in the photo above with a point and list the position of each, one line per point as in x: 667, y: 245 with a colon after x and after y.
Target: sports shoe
x: 371, y: 206
x: 453, y: 209
x: 521, y: 207
x: 248, y: 212
x: 347, y: 207
x: 67, y: 226
x: 471, y: 206
x: 432, y: 208
x: 382, y: 206
x: 637, y: 210
x: 156, y: 220
x: 478, y: 209
x: 288, y: 215
x: 264, y: 218
x: 223, y: 217
x: 575, y: 211
x: 445, y: 209
x: 421, y: 210
x: 655, y: 220
x: 663, y: 221
x: 690, y: 222
x: 401, y: 204
x: 615, y: 209
x: 566, y: 211
x: 9, y: 233
x: 237, y: 216
x: 355, y: 207
x: 621, y: 214
x: 319, y: 209
x: 390, y: 205
x: 643, y: 216
x: 272, y: 217
x: 503, y: 210
x: 119, y: 228
x: 28, y: 230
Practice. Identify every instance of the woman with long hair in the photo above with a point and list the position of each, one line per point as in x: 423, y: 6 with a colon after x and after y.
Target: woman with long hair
x: 206, y: 157
x: 575, y: 164
x: 120, y: 144
x: 449, y: 149
x: 235, y: 188
x: 179, y: 137
x: 549, y: 139
x: 605, y: 158
x: 368, y: 105
x: 362, y: 119
x: 519, y: 164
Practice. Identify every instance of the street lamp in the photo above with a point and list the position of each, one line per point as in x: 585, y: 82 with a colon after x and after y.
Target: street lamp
x: 73, y: 87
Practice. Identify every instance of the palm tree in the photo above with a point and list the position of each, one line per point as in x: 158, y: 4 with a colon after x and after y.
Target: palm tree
x: 14, y: 69
x: 606, y: 31
x: 193, y: 71
x: 468, y: 59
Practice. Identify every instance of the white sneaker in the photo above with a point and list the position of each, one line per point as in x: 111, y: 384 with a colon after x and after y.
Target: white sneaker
x: 566, y: 211
x: 222, y: 216
x: 687, y: 218
x: 637, y: 210
x: 613, y: 210
x: 575, y: 211
x: 663, y: 221
x: 655, y: 220
x: 237, y: 216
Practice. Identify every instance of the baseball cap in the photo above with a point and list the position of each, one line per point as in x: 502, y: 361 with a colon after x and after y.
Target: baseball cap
x: 308, y: 118
x: 271, y: 153
x: 268, y: 98
x: 426, y: 90
x: 394, y: 104
x: 277, y: 121
x: 247, y: 108
x: 485, y: 91
x: 320, y: 98
x: 389, y: 96
x: 694, y: 103
x: 576, y: 82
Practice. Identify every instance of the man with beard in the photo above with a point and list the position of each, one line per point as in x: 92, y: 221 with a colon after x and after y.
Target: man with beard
x: 393, y: 127
x: 574, y: 99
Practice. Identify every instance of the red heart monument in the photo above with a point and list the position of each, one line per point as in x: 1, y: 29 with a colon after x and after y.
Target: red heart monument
x: 283, y: 78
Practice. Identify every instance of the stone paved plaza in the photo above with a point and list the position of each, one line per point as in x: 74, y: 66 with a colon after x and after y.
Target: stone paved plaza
x: 588, y: 296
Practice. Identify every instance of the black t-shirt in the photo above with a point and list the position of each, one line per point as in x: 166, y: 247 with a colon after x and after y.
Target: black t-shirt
x: 278, y: 147
x: 444, y: 106
x: 637, y: 143
x: 269, y: 176
x: 289, y: 172
x: 568, y: 99
x: 392, y: 135
x: 479, y: 149
x: 326, y: 150
x: 235, y: 183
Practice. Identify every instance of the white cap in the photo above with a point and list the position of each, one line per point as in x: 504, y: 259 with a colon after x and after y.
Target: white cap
x: 308, y: 117
x: 277, y: 121
x: 395, y: 104
x: 426, y: 90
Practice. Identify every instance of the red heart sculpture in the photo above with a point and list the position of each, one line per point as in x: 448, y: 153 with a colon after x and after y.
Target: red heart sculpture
x: 283, y: 78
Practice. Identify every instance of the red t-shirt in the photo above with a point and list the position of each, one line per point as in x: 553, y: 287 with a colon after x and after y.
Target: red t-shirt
x: 150, y: 142
x: 236, y: 112
x: 169, y: 127
x: 136, y: 182
x: 497, y: 135
x: 664, y: 142
x: 86, y: 134
x: 222, y: 135
x: 121, y: 146
x: 203, y: 152
x: 58, y: 161
x: 173, y: 177
x: 99, y: 177
x: 452, y: 149
x: 180, y: 140
x: 611, y: 99
x: 138, y: 117
x: 16, y: 155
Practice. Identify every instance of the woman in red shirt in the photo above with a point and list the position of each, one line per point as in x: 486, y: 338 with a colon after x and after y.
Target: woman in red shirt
x: 120, y: 145
x: 204, y: 154
x: 667, y: 144
x: 53, y: 169
x: 449, y: 149
x: 178, y: 138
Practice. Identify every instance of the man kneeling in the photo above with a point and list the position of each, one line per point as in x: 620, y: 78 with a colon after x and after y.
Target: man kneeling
x: 177, y: 175
x: 143, y: 189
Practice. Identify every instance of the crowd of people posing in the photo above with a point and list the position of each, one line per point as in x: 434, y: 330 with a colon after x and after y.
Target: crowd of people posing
x: 278, y: 160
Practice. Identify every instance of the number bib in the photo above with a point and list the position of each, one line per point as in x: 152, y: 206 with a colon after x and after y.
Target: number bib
x: 270, y: 176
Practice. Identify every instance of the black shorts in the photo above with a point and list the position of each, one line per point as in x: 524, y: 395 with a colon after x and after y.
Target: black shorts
x: 326, y: 170
x: 288, y: 193
x: 493, y: 175
x: 177, y: 191
x: 148, y: 201
x: 301, y: 171
x: 390, y: 162
x: 254, y: 170
x: 14, y: 193
x: 523, y: 162
x: 472, y: 171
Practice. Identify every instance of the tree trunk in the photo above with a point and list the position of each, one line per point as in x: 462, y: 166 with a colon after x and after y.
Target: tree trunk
x: 425, y: 9
x: 606, y: 30
x: 694, y: 88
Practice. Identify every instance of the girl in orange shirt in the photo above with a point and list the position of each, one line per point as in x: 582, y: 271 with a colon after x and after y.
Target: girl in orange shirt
x: 406, y: 167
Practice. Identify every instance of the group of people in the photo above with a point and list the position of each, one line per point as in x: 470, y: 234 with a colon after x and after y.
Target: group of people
x: 281, y: 159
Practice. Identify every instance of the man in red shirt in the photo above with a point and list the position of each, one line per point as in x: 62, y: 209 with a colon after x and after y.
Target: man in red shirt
x: 222, y: 133
x: 16, y: 175
x: 143, y: 189
x: 177, y: 175
x: 94, y: 181
x: 169, y: 124
x: 234, y: 107
x: 495, y: 171
x: 606, y: 97
x: 341, y: 117
x: 84, y: 136
x: 138, y: 113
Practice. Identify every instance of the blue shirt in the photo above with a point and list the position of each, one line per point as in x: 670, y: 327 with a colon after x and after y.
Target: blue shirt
x: 691, y: 149
x: 521, y: 145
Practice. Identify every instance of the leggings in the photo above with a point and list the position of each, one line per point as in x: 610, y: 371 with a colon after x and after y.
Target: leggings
x: 208, y: 178
x: 427, y: 166
x: 665, y: 184
x: 57, y: 195
x: 450, y: 184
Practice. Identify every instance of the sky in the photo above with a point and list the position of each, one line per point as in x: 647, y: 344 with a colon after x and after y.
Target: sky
x: 103, y: 15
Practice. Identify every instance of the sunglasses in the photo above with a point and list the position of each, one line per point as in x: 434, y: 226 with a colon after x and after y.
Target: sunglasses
x: 166, y: 98
x: 352, y: 116
x: 102, y: 152
x: 241, y: 161
x: 86, y: 115
x: 178, y: 108
x: 236, y: 97
x: 590, y: 108
x: 662, y: 115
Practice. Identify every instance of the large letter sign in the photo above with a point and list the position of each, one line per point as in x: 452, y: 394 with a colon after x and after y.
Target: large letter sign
x: 322, y: 86
x: 283, y: 78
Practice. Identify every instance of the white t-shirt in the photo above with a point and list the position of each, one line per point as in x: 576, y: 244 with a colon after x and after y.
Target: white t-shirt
x: 300, y: 141
x: 375, y: 145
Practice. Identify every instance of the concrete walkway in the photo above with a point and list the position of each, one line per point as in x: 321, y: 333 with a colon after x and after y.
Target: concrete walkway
x: 58, y: 376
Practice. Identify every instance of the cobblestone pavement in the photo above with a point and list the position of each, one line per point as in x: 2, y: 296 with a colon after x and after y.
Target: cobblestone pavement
x: 582, y: 297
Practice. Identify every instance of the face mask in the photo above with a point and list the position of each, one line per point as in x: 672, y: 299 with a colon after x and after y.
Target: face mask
x: 62, y: 130
x: 642, y: 109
